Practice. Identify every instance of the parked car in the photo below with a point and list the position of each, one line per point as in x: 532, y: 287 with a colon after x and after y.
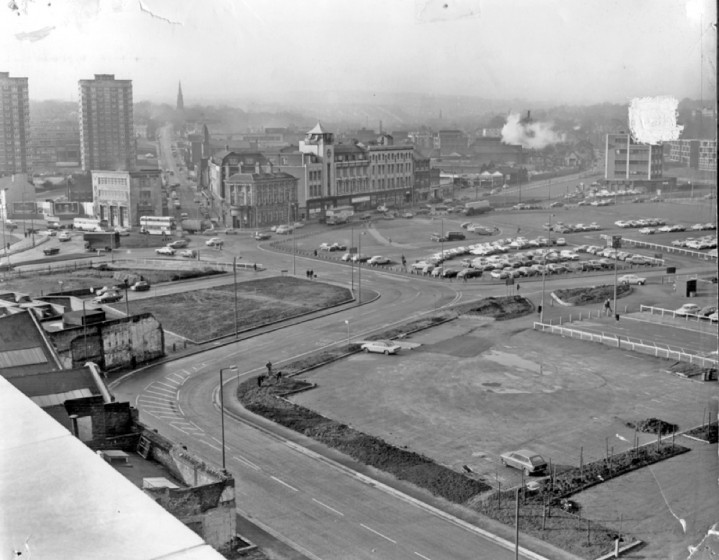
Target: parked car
x: 64, y: 236
x: 469, y: 273
x: 179, y: 243
x: 51, y: 251
x: 214, y: 242
x: 108, y: 297
x: 408, y: 215
x: 524, y: 460
x: 359, y: 258
x: 688, y: 309
x: 378, y: 259
x: 189, y: 254
x: 231, y: 231
x: 381, y: 347
x: 140, y: 286
x: 632, y: 279
x: 165, y: 251
x: 261, y: 236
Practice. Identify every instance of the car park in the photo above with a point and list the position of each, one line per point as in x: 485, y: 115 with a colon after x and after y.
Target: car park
x: 140, y: 286
x: 688, y: 309
x: 169, y: 251
x: 214, y: 242
x: 525, y: 460
x: 632, y: 279
x: 381, y: 347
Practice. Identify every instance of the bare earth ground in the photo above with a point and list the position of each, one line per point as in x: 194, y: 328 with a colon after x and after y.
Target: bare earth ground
x: 477, y: 388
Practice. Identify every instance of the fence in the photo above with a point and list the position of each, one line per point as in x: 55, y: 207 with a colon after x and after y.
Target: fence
x: 674, y: 315
x: 627, y: 343
x: 670, y: 249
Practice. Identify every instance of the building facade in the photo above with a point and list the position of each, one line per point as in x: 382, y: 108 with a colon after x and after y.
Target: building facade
x: 262, y: 198
x: 694, y: 154
x: 451, y: 142
x: 54, y: 145
x: 625, y: 160
x: 107, y: 135
x: 122, y: 197
x: 14, y: 125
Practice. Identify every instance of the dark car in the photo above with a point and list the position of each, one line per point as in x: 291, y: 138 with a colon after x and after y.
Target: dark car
x: 51, y: 251
x: 469, y: 273
x: 140, y: 286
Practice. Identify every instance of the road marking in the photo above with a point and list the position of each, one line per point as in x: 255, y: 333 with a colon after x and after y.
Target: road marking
x: 422, y: 555
x: 176, y: 374
x: 378, y: 533
x: 209, y: 444
x: 161, y: 391
x: 171, y: 387
x: 150, y: 398
x: 328, y: 507
x: 284, y: 483
x: 246, y: 462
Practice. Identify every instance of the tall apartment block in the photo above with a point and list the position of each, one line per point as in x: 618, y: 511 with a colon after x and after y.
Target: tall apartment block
x: 14, y: 124
x: 107, y: 138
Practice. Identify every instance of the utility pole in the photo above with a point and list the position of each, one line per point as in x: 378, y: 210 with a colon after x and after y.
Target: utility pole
x: 234, y: 275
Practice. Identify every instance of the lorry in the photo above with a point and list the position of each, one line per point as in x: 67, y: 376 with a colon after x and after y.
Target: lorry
x: 477, y: 207
x: 192, y: 226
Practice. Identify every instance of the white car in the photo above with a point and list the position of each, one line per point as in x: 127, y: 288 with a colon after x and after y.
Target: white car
x: 64, y: 236
x: 378, y: 259
x: 632, y: 279
x: 381, y: 347
x: 165, y: 251
x: 283, y: 229
x: 214, y: 242
x: 688, y: 309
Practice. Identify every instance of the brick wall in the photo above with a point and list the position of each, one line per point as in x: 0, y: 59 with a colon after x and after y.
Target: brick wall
x: 117, y: 344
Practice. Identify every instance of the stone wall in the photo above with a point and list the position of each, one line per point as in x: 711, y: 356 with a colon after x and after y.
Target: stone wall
x: 117, y: 344
x: 207, y: 505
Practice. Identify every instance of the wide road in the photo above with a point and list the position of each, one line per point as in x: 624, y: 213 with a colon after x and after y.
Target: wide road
x: 319, y: 507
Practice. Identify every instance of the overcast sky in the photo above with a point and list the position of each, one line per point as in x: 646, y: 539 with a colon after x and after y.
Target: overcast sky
x: 574, y: 51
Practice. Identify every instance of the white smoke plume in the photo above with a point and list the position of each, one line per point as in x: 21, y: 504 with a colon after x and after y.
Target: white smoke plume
x: 535, y: 135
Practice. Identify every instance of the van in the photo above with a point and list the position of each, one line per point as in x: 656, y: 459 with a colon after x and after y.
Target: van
x: 454, y: 235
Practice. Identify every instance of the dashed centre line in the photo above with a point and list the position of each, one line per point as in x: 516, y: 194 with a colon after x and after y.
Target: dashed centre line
x: 284, y: 483
x: 328, y: 507
x: 378, y: 533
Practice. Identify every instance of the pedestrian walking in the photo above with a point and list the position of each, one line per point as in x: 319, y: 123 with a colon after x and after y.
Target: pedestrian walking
x: 315, y: 252
x: 517, y: 287
x: 268, y: 365
x: 608, y: 306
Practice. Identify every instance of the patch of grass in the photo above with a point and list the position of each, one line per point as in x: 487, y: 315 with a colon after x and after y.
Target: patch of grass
x: 707, y: 432
x: 593, y: 294
x: 501, y: 308
x: 201, y: 315
x: 653, y: 426
x: 367, y: 449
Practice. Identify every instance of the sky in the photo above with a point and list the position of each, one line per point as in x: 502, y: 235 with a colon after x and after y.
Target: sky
x: 555, y: 51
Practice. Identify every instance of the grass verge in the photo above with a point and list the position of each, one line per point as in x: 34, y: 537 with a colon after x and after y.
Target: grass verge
x: 594, y: 294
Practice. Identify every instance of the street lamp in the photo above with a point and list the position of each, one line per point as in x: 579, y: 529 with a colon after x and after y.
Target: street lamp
x: 234, y: 274
x: 359, y: 268
x: 61, y: 283
x: 222, y: 411
x: 544, y: 270
x: 348, y: 333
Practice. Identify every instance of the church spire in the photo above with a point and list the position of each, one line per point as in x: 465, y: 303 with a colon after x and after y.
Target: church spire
x: 180, y: 101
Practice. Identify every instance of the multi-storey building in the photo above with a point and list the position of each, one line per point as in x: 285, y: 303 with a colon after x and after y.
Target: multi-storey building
x: 54, y: 144
x: 14, y: 125
x: 452, y: 142
x: 626, y: 160
x: 122, y: 197
x: 107, y: 135
x: 262, y: 198
x: 695, y: 154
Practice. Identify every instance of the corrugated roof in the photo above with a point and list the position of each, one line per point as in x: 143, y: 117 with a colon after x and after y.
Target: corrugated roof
x: 44, y: 401
x: 25, y: 357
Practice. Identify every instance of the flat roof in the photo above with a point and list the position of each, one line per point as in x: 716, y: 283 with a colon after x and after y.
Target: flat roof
x: 61, y: 500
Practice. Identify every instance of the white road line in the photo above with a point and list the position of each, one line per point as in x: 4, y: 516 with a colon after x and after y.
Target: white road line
x: 168, y: 385
x: 378, y: 533
x: 148, y: 398
x: 284, y: 483
x: 422, y: 555
x: 246, y: 462
x: 209, y: 445
x: 161, y: 392
x: 328, y: 507
x: 175, y: 374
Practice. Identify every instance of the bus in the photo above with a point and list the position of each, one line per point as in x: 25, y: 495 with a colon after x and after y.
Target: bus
x: 157, y: 225
x: 87, y: 224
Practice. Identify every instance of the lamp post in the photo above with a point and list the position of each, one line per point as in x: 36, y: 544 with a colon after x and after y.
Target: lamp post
x: 359, y: 268
x: 616, y: 245
x: 442, y: 238
x: 544, y: 270
x: 60, y: 282
x: 234, y: 275
x: 348, y: 333
x: 84, y: 326
x: 222, y: 411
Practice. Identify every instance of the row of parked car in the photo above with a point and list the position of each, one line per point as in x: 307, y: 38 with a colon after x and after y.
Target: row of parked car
x: 561, y: 227
x: 704, y: 242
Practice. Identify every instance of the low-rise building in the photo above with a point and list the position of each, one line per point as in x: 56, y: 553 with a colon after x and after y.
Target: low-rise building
x: 262, y: 198
x: 122, y: 197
